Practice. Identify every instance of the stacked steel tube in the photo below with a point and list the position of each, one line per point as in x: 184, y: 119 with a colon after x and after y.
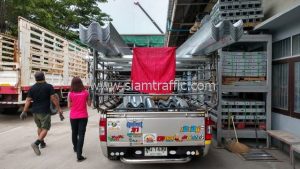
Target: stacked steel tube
x: 250, y: 11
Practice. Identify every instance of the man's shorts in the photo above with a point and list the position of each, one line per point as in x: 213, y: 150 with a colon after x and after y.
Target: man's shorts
x: 42, y: 120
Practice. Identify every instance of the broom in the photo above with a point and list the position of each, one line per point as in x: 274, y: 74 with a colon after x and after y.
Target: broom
x: 236, y: 146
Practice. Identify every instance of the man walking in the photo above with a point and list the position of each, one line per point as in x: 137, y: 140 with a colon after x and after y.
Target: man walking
x: 40, y: 94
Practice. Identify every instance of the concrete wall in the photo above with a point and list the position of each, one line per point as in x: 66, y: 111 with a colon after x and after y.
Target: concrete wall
x: 272, y: 7
x: 286, y: 123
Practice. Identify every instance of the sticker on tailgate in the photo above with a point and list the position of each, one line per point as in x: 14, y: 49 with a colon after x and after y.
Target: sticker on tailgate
x: 180, y: 138
x: 116, y: 138
x: 149, y: 138
x: 134, y: 127
x: 113, y: 125
x: 191, y: 129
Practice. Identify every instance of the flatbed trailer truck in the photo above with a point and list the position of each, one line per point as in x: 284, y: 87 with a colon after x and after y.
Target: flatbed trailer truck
x: 38, y: 49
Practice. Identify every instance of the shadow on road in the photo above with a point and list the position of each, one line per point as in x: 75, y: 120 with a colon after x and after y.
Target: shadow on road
x: 10, y: 111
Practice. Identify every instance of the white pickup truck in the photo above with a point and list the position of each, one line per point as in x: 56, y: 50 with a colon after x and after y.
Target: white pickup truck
x: 155, y: 137
x: 144, y: 127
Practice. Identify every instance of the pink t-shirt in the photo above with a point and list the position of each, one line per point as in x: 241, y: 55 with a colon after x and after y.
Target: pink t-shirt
x: 78, y: 104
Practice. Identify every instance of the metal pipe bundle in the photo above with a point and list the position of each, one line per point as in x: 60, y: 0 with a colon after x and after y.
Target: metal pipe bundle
x: 210, y: 37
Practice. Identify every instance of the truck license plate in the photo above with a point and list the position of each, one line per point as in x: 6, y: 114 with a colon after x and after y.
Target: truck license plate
x: 156, y: 151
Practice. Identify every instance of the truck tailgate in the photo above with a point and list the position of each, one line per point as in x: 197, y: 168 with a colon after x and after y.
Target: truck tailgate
x: 126, y: 129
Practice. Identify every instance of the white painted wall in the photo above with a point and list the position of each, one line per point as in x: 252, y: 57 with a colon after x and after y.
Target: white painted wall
x: 287, y: 31
x: 272, y: 7
x: 286, y: 123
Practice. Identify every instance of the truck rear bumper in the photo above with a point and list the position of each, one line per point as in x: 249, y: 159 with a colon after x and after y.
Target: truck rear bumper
x: 155, y: 161
x: 176, y: 154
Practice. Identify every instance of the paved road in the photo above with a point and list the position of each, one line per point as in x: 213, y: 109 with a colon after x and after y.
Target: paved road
x: 16, y: 153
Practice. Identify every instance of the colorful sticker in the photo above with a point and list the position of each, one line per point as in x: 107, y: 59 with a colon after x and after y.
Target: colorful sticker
x: 149, y: 138
x: 113, y: 125
x: 135, y: 141
x: 135, y: 127
x: 177, y: 138
x: 117, y: 138
x: 190, y: 129
x: 135, y: 132
x: 135, y: 135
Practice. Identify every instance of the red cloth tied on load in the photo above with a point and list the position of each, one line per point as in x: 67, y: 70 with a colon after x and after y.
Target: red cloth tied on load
x: 153, y: 70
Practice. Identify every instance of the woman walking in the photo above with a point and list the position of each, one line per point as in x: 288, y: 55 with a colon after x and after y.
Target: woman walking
x: 78, y: 99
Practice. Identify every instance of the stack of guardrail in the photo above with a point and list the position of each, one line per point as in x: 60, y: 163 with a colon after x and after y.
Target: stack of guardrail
x: 104, y: 39
x: 250, y: 11
x: 147, y: 103
x: 245, y: 64
x: 210, y: 37
x: 246, y: 113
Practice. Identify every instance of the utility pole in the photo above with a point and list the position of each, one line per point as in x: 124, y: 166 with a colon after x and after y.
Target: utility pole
x: 155, y: 24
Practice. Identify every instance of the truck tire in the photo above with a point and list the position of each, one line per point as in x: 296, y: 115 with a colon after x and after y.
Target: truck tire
x: 53, y: 109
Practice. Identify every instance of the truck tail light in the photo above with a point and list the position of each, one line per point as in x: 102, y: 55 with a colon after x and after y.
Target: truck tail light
x: 102, y: 128
x: 208, y: 129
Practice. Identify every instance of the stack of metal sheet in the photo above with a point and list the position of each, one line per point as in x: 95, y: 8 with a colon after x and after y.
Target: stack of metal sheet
x: 244, y: 64
x: 246, y: 112
x: 250, y: 11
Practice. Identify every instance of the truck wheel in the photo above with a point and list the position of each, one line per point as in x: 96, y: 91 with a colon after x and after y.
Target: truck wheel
x: 53, y: 109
